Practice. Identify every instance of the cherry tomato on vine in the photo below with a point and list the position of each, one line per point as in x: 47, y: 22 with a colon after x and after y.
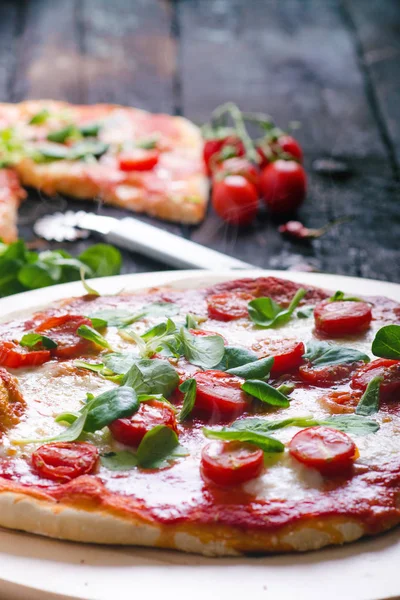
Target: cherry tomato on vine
x: 235, y: 200
x: 238, y: 166
x: 283, y: 186
x: 231, y: 463
x: 271, y: 150
x: 215, y: 149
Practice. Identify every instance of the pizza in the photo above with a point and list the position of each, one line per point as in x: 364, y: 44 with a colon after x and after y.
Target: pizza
x: 148, y: 163
x: 252, y: 416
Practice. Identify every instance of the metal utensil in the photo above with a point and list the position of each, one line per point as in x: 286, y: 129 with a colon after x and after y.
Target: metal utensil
x: 135, y: 235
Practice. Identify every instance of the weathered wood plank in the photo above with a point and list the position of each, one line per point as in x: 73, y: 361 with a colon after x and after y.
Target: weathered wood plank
x: 296, y: 60
x: 48, y: 61
x: 377, y: 29
x: 10, y: 17
x: 129, y: 53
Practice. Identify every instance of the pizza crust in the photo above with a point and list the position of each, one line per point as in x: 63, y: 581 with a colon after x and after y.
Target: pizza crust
x: 93, y: 525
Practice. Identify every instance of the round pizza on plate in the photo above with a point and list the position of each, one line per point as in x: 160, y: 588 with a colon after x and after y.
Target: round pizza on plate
x: 255, y: 415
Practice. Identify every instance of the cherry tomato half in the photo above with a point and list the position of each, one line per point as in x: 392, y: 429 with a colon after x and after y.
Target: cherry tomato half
x: 382, y: 367
x: 219, y: 395
x: 235, y: 200
x: 329, y: 375
x: 238, y: 166
x: 14, y: 356
x: 138, y: 159
x: 283, y: 186
x: 130, y: 431
x: 342, y: 318
x: 62, y: 329
x: 328, y: 450
x: 228, y: 305
x: 63, y: 461
x: 288, y: 354
x: 231, y: 463
x: 341, y: 402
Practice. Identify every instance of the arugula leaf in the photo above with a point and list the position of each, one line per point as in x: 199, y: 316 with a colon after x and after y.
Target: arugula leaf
x: 40, y: 117
x: 259, y: 369
x: 266, y: 443
x: 235, y: 356
x: 119, y: 461
x: 204, y: 351
x: 193, y: 321
x: 305, y: 312
x: 30, y: 340
x: 120, y: 362
x: 158, y: 448
x: 369, y: 402
x: 266, y: 313
x: 88, y: 333
x: 89, y: 290
x: 189, y: 387
x: 286, y: 388
x: 322, y: 354
x: 265, y: 393
x: 98, y: 323
x: 95, y: 367
x: 387, y: 342
x: 113, y: 404
x: 341, y: 297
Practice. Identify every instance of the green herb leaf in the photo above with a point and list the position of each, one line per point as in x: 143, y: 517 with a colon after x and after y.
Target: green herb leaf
x: 235, y: 356
x: 259, y: 369
x: 30, y: 340
x: 98, y: 323
x: 265, y: 393
x: 189, y: 387
x: 286, y: 388
x: 62, y: 135
x: 387, y: 342
x: 88, y: 333
x: 322, y: 354
x: 353, y: 424
x: 87, y: 148
x: 119, y: 461
x: 120, y: 362
x: 115, y: 317
x: 48, y: 152
x: 102, y: 259
x: 266, y: 443
x: 158, y: 448
x: 261, y: 426
x: 204, y: 351
x: 40, y: 117
x: 90, y: 129
x: 266, y: 313
x: 95, y: 367
x: 113, y: 404
x: 305, y: 312
x: 341, y: 297
x: 152, y: 376
x: 369, y: 402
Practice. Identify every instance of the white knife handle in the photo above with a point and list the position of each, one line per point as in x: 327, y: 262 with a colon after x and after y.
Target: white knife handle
x: 169, y: 248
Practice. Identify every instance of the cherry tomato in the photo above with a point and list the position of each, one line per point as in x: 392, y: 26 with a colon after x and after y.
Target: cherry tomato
x: 327, y: 375
x: 231, y: 463
x: 342, y: 318
x: 15, y: 356
x: 219, y: 395
x: 238, y: 166
x: 328, y: 450
x: 138, y: 159
x: 341, y: 402
x: 269, y: 151
x: 213, y: 148
x: 283, y: 186
x: 62, y: 329
x: 235, y: 200
x: 63, y: 461
x: 289, y: 145
x: 130, y: 431
x: 382, y: 367
x: 288, y: 354
x: 228, y: 305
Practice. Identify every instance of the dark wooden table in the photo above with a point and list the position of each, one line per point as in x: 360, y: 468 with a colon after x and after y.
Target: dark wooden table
x: 332, y: 65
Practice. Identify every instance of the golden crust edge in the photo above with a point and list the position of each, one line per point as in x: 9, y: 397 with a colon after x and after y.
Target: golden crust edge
x: 64, y: 521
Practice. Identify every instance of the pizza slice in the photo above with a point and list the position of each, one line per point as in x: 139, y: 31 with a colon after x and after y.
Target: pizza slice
x: 148, y: 163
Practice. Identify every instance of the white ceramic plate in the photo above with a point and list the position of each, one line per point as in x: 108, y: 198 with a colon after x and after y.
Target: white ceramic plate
x: 32, y: 567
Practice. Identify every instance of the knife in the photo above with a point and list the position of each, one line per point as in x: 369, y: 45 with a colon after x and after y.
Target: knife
x: 137, y: 236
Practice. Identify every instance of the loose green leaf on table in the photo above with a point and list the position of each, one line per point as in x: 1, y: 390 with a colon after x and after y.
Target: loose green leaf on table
x: 266, y: 313
x: 322, y: 354
x: 387, y: 342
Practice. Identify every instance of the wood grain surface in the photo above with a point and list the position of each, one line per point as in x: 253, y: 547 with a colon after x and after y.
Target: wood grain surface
x: 331, y: 65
